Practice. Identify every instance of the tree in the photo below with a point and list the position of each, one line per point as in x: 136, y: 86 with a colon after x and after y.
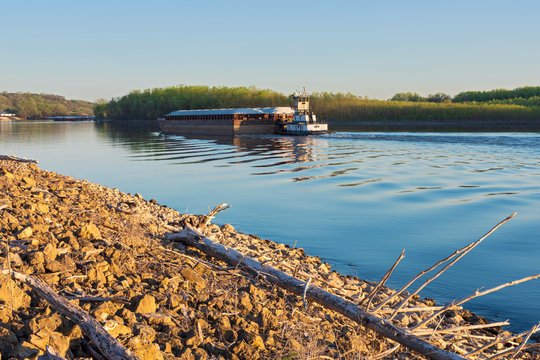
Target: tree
x: 439, y: 98
x: 26, y: 107
x: 407, y: 96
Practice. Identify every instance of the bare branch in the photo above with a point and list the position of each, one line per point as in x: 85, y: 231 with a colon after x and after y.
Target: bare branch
x: 381, y: 283
x: 475, y: 295
x: 465, y: 252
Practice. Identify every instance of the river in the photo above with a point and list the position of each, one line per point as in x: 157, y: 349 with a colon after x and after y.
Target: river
x: 356, y: 199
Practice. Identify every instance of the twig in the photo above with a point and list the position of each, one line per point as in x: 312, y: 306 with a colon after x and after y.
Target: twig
x: 465, y: 252
x: 384, y: 353
x: 372, y: 294
x: 518, y: 349
x: 10, y: 280
x: 99, y: 299
x: 212, y: 214
x: 495, y: 341
x: 475, y: 295
x: 418, y: 309
x: 506, y: 352
x: 458, y: 328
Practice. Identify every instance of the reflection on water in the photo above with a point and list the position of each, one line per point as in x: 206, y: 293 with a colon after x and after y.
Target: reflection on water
x: 355, y: 198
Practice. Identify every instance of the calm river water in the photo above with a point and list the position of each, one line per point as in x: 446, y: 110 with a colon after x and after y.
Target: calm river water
x: 355, y: 199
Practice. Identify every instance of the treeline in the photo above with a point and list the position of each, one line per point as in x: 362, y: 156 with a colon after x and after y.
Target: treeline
x: 524, y: 96
x: 36, y: 106
x: 153, y: 103
x: 340, y: 108
x: 498, y: 95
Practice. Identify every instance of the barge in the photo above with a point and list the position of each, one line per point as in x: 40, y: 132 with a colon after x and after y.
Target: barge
x: 295, y: 120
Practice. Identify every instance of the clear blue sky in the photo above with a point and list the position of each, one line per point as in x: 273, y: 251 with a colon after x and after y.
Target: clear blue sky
x: 92, y: 49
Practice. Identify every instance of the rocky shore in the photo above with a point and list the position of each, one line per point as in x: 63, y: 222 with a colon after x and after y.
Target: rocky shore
x: 106, y: 252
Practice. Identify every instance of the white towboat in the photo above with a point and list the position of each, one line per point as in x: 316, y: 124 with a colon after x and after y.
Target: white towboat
x: 304, y: 121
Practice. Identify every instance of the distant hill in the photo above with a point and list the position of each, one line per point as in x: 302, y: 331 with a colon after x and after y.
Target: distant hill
x: 36, y: 106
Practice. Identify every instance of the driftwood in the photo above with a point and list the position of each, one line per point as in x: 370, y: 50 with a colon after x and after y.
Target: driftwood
x: 108, y: 346
x: 191, y: 237
x: 15, y: 158
x: 458, y: 254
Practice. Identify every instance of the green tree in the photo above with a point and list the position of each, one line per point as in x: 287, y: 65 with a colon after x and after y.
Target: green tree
x: 439, y: 98
x: 407, y: 96
x: 26, y: 107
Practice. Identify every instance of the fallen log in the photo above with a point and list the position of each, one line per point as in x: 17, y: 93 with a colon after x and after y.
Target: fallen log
x: 18, y: 159
x: 191, y: 237
x: 108, y: 346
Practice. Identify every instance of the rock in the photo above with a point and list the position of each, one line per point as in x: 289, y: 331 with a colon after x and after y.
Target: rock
x: 146, y: 305
x: 6, y: 174
x: 116, y: 329
x: 42, y: 208
x: 245, y: 301
x: 49, y: 323
x: 54, y: 266
x: 8, y: 340
x: 144, y: 351
x: 258, y: 343
x: 13, y: 294
x: 50, y: 252
x: 228, y: 227
x: 193, y: 278
x: 28, y: 181
x: 36, y: 258
x: 245, y: 351
x: 25, y: 233
x: 90, y: 231
x: 25, y: 350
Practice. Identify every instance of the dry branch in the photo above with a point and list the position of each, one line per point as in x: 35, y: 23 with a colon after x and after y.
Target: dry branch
x: 518, y: 349
x: 470, y: 297
x: 466, y: 250
x: 459, y: 328
x: 192, y: 237
x: 212, y: 214
x: 15, y: 158
x: 99, y: 299
x: 108, y: 346
x: 381, y: 283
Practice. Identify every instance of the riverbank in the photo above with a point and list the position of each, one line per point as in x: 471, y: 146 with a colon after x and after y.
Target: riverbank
x: 106, y: 250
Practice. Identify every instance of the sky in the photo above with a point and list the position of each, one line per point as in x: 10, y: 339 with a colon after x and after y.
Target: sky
x: 103, y: 49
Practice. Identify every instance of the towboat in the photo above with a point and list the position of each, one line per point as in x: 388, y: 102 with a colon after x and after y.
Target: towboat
x: 304, y: 121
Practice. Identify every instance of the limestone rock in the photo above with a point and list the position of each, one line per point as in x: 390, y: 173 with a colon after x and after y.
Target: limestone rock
x: 16, y: 295
x: 25, y: 233
x: 146, y: 305
x: 116, y: 329
x: 193, y: 277
x: 28, y: 181
x: 90, y: 231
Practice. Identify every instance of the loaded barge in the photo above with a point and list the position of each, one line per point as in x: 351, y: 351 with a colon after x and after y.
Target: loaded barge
x: 295, y: 120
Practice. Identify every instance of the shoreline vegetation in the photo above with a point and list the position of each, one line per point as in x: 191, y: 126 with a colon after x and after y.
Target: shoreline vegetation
x: 518, y: 106
x: 89, y: 262
x: 37, y: 106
